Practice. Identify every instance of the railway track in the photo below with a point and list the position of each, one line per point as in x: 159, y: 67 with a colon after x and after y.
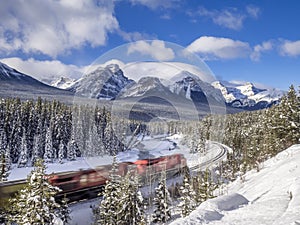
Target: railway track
x: 222, y: 152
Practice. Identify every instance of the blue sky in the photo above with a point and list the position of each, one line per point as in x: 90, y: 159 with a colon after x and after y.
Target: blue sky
x: 256, y: 41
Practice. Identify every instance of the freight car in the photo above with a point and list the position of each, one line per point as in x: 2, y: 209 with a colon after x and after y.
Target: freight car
x: 82, y: 184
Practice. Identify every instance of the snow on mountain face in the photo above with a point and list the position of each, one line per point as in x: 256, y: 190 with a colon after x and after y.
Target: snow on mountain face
x: 183, y: 86
x: 247, y: 95
x: 193, y: 87
x: 146, y: 85
x: 102, y: 83
x: 7, y: 73
x: 63, y: 83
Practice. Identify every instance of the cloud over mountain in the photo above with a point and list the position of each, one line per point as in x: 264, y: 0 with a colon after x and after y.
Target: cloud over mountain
x: 219, y: 48
x: 156, y: 49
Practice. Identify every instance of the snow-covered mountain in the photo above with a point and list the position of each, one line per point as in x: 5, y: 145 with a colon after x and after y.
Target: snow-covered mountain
x: 183, y: 87
x: 193, y: 88
x: 16, y: 84
x: 8, y: 74
x: 146, y: 86
x: 63, y: 83
x: 102, y: 83
x: 247, y: 95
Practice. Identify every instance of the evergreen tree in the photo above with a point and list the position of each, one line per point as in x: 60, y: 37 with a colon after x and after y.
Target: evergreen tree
x: 48, y: 155
x: 162, y: 202
x: 4, y: 167
x: 108, y: 212
x: 203, y: 186
x: 72, y: 148
x: 23, y: 158
x: 61, y: 152
x: 35, y: 203
x: 187, y: 199
x: 131, y: 204
x: 36, y: 152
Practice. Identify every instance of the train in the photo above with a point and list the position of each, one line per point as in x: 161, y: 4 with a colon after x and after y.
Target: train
x: 83, y: 184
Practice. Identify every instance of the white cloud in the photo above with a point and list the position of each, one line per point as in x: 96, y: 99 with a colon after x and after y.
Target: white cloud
x: 258, y: 49
x: 230, y: 18
x: 165, y: 70
x: 290, y: 48
x: 53, y: 27
x: 219, y: 48
x: 155, y: 4
x: 156, y: 49
x: 253, y: 11
x: 43, y: 70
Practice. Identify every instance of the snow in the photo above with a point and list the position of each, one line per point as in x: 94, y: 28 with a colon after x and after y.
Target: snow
x: 63, y: 83
x: 247, y: 93
x: 270, y: 196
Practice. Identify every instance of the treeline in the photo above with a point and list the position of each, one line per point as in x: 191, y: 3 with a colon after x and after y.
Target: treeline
x: 254, y: 136
x: 55, y: 132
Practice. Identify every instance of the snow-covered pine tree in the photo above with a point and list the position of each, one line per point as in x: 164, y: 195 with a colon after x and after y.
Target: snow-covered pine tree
x: 61, y: 152
x: 200, y: 147
x: 187, y: 199
x: 108, y: 212
x: 162, y: 202
x: 203, y: 186
x: 35, y: 203
x: 48, y: 155
x: 131, y: 203
x: 36, y: 152
x: 72, y: 148
x: 4, y: 166
x: 23, y: 158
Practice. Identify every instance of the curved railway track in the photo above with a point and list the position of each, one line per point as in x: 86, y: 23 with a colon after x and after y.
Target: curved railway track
x: 222, y: 152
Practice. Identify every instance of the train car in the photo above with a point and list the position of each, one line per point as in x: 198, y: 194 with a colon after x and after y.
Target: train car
x: 77, y: 185
x: 151, y: 169
x: 84, y: 183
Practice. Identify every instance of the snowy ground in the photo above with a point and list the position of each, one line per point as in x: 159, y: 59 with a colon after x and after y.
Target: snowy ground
x: 271, y: 196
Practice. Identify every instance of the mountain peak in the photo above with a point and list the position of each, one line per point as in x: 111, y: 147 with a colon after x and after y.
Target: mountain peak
x: 63, y: 82
x: 102, y: 83
x: 114, y: 68
x: 247, y: 95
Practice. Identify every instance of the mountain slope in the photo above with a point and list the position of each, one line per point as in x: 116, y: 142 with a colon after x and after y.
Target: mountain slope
x: 102, y: 83
x: 268, y: 197
x: 16, y: 84
x: 247, y: 96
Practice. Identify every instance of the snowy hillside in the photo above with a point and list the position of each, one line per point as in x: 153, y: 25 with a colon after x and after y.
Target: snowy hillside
x: 247, y: 95
x: 270, y: 196
x: 8, y: 74
x: 63, y: 83
x: 17, y: 84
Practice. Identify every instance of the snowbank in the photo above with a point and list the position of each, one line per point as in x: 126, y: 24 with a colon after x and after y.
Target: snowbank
x: 212, y: 209
x: 273, y: 194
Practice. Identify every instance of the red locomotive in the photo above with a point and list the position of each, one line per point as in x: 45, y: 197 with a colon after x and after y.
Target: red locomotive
x: 88, y: 183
